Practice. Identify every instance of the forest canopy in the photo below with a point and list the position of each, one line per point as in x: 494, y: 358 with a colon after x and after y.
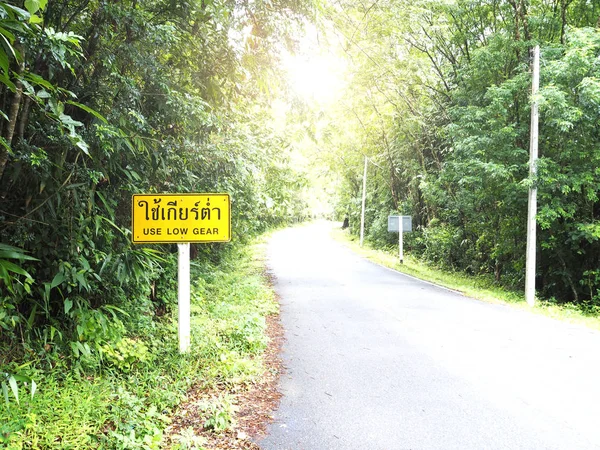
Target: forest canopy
x: 100, y: 100
x: 439, y: 100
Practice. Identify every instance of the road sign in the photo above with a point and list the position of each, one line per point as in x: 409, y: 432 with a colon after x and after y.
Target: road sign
x: 393, y: 223
x: 180, y: 218
x: 394, y: 226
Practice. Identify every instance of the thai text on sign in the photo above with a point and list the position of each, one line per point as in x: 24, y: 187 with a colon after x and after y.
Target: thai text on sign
x: 179, y: 218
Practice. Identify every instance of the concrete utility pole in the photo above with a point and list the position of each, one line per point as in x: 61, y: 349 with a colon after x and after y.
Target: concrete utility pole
x: 364, y: 198
x: 532, y: 205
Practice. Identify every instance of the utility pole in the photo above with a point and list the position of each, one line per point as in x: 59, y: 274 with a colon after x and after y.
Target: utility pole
x: 364, y: 198
x: 532, y: 204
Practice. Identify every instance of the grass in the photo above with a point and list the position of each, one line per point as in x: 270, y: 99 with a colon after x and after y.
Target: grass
x: 130, y: 407
x: 475, y: 287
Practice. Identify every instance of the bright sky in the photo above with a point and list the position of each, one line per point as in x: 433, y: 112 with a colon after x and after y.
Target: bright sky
x: 315, y: 74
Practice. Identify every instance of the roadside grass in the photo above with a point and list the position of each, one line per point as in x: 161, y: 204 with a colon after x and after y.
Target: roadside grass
x: 479, y: 288
x: 129, y: 407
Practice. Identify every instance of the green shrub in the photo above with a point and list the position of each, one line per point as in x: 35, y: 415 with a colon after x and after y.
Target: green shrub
x: 441, y: 242
x: 104, y: 387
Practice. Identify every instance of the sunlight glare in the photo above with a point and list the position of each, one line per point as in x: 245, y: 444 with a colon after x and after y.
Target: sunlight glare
x: 314, y: 75
x: 314, y: 78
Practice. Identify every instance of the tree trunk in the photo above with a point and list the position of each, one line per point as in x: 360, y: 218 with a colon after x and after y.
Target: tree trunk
x: 568, y: 278
x: 564, y: 4
x: 524, y: 21
x: 24, y: 117
x: 12, y: 121
x: 14, y: 113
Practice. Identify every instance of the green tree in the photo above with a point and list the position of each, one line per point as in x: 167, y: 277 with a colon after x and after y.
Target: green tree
x: 440, y: 104
x: 105, y: 99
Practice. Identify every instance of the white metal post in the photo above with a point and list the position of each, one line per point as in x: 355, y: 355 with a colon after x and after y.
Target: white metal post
x: 401, y: 239
x: 364, y: 198
x: 183, y: 297
x: 532, y: 205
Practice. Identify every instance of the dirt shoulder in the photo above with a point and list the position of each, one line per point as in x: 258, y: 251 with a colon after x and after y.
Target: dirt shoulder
x: 254, y: 404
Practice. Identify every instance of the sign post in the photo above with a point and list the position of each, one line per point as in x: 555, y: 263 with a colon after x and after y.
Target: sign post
x: 183, y: 296
x: 364, y: 199
x: 181, y: 219
x: 401, y: 225
x: 401, y: 246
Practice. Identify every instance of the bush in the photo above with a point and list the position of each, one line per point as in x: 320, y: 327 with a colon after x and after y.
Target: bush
x: 441, y: 242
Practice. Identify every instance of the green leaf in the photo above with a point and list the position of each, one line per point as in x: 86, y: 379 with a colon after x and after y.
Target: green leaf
x: 4, y: 63
x: 28, y: 88
x: 15, y: 11
x: 68, y: 305
x: 112, y: 224
x: 69, y: 122
x: 57, y: 107
x: 81, y: 280
x: 85, y: 263
x: 9, y: 84
x: 40, y: 81
x: 10, y: 38
x: 14, y: 387
x: 32, y: 6
x: 92, y: 111
x: 82, y: 145
x: 8, y: 251
x: 5, y: 392
x: 81, y: 349
x: 52, y: 333
x: 112, y: 308
x: 43, y: 94
x: 11, y: 267
x: 35, y: 19
x: 31, y: 318
x: 58, y: 279
x: 46, y: 293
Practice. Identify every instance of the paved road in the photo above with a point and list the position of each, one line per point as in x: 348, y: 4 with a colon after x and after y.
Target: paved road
x: 378, y: 360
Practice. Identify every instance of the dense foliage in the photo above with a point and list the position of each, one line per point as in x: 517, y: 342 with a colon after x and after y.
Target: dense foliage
x: 138, y: 400
x: 100, y: 99
x: 443, y: 113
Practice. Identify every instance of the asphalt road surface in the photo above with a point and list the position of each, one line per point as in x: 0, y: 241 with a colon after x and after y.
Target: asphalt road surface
x: 379, y: 360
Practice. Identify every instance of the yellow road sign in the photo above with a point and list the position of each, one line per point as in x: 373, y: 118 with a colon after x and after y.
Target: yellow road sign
x: 179, y: 218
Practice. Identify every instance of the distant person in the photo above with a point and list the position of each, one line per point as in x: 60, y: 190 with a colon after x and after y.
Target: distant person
x: 346, y: 223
